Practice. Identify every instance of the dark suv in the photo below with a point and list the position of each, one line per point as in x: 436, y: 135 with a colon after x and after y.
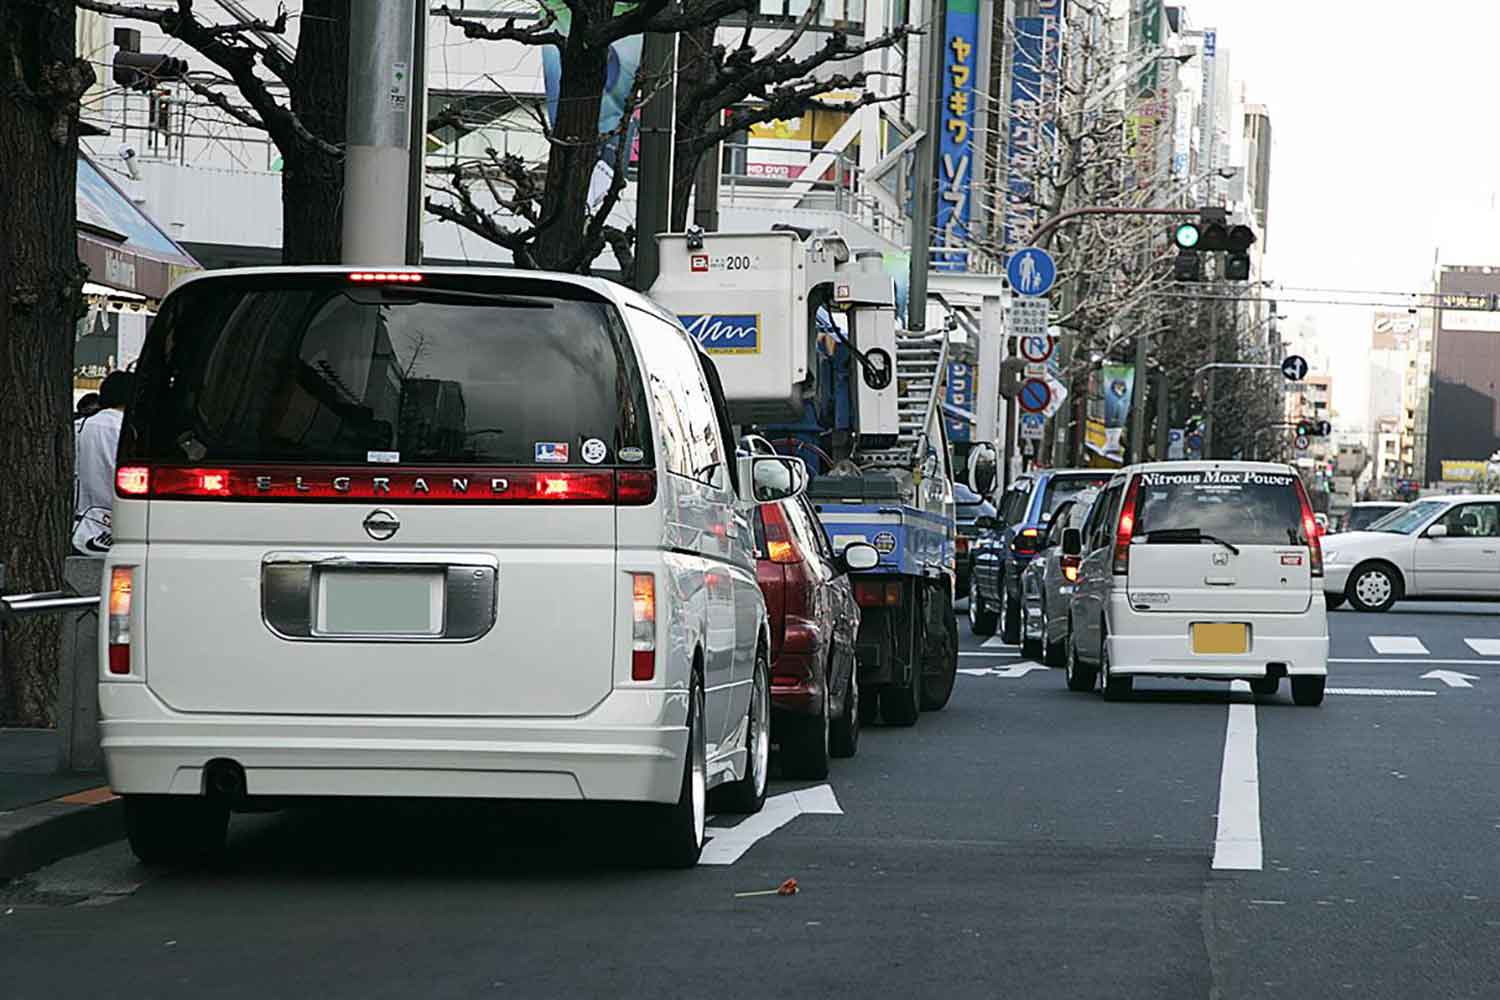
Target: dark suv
x: 1009, y: 540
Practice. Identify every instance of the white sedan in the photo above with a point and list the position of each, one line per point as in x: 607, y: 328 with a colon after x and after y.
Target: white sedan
x: 1442, y: 547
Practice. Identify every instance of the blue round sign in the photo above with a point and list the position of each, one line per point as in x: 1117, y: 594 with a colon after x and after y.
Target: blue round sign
x: 1031, y: 271
x: 1035, y: 395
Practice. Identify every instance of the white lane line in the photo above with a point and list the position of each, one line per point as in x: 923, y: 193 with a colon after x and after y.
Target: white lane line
x: 1384, y: 692
x: 992, y: 654
x: 994, y: 642
x: 1484, y: 647
x: 725, y: 847
x: 1237, y: 842
x: 1399, y: 659
x: 1398, y: 645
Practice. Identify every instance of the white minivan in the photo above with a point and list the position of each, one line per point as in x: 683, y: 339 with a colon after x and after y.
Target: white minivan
x: 1209, y: 570
x: 456, y: 533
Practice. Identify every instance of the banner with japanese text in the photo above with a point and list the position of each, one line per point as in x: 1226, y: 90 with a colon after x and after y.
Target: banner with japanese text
x: 961, y: 54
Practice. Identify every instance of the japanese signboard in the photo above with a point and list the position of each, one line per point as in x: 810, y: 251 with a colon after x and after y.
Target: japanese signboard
x: 960, y: 395
x: 961, y: 57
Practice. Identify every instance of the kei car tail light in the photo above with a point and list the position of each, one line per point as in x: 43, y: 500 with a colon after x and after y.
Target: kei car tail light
x: 1070, y: 565
x: 877, y: 593
x: 121, y: 586
x: 643, y: 633
x: 1126, y: 529
x: 1310, y: 530
x: 1028, y: 542
x: 132, y: 481
x: 781, y: 544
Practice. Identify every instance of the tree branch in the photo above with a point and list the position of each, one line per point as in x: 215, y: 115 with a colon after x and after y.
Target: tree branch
x: 540, y: 33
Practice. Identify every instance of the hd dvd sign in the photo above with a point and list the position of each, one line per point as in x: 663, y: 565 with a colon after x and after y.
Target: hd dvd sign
x: 725, y: 333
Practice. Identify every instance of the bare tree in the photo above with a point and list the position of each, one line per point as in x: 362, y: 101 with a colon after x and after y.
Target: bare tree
x: 41, y: 280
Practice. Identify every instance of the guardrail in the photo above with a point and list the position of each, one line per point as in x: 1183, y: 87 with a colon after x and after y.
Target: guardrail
x: 18, y: 606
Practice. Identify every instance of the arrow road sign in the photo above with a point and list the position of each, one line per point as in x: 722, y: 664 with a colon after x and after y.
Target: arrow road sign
x: 1035, y: 395
x: 1324, y: 428
x: 1037, y: 349
x: 1031, y: 271
x: 1019, y: 670
x: 1294, y: 368
x: 1452, y: 678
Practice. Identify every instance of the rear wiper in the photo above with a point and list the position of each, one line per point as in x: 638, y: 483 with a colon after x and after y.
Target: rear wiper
x: 1189, y: 536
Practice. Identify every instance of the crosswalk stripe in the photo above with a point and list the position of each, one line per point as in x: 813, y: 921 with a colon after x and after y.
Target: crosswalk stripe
x: 1484, y: 647
x: 1398, y: 645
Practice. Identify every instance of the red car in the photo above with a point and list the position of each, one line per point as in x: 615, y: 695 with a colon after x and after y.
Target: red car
x: 814, y: 622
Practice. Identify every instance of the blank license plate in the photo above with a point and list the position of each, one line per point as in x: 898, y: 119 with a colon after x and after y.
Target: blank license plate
x: 1221, y: 638
x: 380, y: 602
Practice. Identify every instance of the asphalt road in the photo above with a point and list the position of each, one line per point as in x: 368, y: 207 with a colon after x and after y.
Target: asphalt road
x: 1026, y: 842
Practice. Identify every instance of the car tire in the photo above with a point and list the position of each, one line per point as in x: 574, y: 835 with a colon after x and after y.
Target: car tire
x: 1010, y: 618
x: 1115, y: 687
x: 175, y: 829
x: 845, y: 736
x: 1308, y: 691
x: 1054, y: 654
x: 900, y: 706
x: 940, y: 651
x: 1265, y: 685
x: 748, y: 794
x: 1335, y: 601
x: 806, y: 742
x: 672, y: 836
x: 1373, y: 587
x: 1080, y: 676
x: 982, y: 620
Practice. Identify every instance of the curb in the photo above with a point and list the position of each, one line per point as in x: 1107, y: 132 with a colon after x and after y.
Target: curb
x: 37, y: 835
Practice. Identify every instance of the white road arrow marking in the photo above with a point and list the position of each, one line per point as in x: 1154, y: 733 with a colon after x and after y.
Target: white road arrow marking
x: 727, y: 846
x: 1452, y: 678
x: 1019, y: 670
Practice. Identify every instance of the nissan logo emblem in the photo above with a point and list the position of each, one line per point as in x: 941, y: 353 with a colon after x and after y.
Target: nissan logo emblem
x: 382, y: 524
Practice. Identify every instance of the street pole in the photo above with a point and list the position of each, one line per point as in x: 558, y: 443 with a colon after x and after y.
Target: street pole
x: 653, y: 207
x: 924, y: 197
x: 377, y: 168
x: 1163, y: 415
x: 416, y: 178
x: 1213, y: 358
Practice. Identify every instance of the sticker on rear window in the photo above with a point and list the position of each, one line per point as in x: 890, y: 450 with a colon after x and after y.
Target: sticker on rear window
x: 593, y: 451
x: 384, y: 457
x: 555, y: 452
x: 632, y: 454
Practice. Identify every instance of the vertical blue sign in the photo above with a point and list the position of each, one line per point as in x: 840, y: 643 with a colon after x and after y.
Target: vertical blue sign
x: 960, y: 394
x: 956, y: 163
x: 1033, y: 106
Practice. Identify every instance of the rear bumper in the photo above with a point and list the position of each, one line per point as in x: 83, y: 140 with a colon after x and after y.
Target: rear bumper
x: 629, y: 748
x: 1160, y: 645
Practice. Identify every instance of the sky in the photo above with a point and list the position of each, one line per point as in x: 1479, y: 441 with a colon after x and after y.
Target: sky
x: 1386, y: 148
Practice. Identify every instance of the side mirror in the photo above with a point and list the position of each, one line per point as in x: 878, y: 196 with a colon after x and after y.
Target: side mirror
x: 1072, y: 542
x: 858, y: 556
x: 1438, y: 531
x: 985, y: 522
x: 983, y: 459
x: 777, y: 477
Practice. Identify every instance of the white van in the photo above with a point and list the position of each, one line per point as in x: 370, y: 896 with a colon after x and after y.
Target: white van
x: 1210, y: 570
x: 459, y: 533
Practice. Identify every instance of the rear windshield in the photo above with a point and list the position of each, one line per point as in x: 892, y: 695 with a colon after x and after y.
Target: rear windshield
x: 1361, y: 518
x: 1061, y: 488
x: 1242, y: 508
x: 457, y: 371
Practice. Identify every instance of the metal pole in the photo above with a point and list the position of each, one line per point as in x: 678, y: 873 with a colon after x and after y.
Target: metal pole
x: 1163, y: 415
x: 924, y: 205
x: 653, y: 207
x: 1208, y: 401
x: 416, y: 178
x: 376, y: 158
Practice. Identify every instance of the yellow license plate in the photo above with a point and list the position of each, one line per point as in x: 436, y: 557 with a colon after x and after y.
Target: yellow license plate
x: 1221, y: 638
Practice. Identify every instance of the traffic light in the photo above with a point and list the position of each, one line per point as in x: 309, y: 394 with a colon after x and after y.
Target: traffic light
x: 1186, y: 236
x: 1314, y: 428
x: 1237, y: 259
x: 144, y: 70
x: 1187, y: 267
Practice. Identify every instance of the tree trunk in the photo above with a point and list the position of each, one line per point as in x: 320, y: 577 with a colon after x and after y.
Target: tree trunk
x: 575, y: 151
x: 312, y: 181
x: 41, y: 80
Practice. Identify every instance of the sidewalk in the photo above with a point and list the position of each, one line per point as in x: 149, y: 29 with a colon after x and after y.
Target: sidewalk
x: 45, y: 815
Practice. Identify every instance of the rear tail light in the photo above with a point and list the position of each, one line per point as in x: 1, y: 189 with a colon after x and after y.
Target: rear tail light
x: 643, y: 632
x: 1310, y: 530
x: 121, y: 586
x: 632, y: 487
x: 781, y: 544
x: 877, y: 593
x: 962, y: 545
x: 1070, y: 566
x: 1028, y: 542
x: 1126, y: 530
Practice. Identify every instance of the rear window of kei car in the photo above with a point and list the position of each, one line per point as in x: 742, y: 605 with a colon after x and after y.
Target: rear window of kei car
x: 1235, y: 506
x: 318, y: 369
x: 1061, y: 488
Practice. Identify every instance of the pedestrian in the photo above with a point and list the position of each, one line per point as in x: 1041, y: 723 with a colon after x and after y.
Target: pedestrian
x: 88, y: 405
x: 98, y: 436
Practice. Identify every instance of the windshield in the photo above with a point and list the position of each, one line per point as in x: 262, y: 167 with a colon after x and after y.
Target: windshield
x: 1361, y: 518
x: 1068, y: 487
x: 1242, y: 508
x: 309, y: 369
x: 1408, y: 519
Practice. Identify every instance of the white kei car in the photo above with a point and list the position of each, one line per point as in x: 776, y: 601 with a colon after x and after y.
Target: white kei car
x: 1440, y: 547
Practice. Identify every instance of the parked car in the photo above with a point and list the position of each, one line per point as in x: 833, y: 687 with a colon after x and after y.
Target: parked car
x: 1209, y: 570
x: 814, y: 625
x: 1365, y: 513
x: 1441, y: 547
x: 1047, y: 585
x: 1009, y: 540
x: 969, y: 508
x: 437, y: 533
